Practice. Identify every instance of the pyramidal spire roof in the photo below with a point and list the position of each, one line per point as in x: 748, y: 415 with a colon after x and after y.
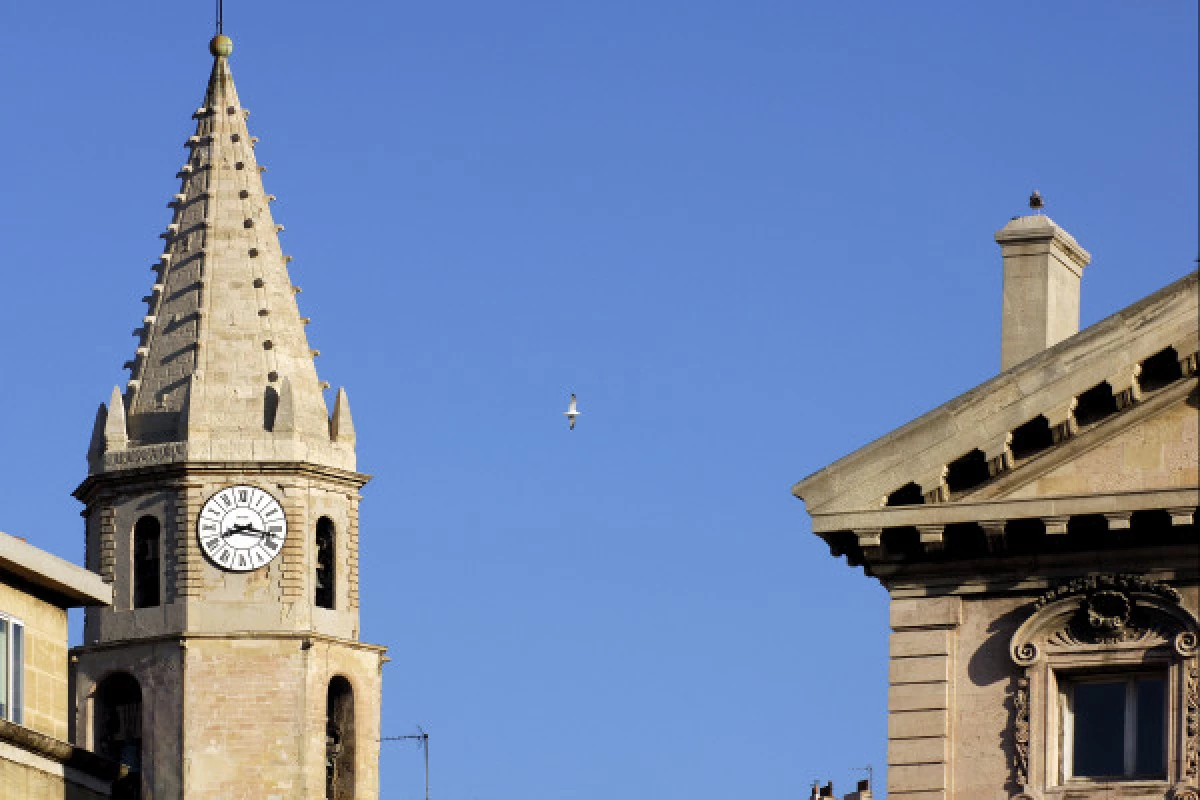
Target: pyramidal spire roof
x: 223, y: 369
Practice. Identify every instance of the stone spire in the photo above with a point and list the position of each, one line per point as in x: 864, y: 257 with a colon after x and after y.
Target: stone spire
x: 222, y: 349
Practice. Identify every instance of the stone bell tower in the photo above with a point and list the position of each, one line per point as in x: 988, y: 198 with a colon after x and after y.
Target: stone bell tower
x: 222, y: 506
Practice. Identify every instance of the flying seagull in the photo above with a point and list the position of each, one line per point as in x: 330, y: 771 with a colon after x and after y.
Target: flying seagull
x: 571, y: 413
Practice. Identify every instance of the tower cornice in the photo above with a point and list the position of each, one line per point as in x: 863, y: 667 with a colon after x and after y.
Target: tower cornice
x: 183, y: 473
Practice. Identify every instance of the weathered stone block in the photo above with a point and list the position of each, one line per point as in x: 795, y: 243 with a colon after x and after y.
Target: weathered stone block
x: 918, y: 697
x: 918, y: 751
x: 909, y: 724
x: 919, y: 669
x: 925, y: 612
x: 902, y: 777
x: 920, y: 643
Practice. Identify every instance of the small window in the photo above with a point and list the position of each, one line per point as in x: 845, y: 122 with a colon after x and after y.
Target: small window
x: 146, y: 563
x: 1115, y: 727
x: 12, y: 670
x: 325, y: 562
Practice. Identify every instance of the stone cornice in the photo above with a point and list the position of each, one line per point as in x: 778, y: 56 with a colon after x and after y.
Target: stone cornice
x: 179, y: 474
x: 304, y: 639
x: 1006, y: 510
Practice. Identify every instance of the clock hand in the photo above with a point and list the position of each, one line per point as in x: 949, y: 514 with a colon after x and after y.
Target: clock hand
x: 243, y: 529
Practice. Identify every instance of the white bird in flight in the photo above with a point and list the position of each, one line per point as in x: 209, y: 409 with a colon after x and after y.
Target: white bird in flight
x: 572, y: 412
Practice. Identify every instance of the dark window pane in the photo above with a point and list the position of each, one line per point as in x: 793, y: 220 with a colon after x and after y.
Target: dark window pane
x: 1151, y: 728
x: 4, y: 677
x: 17, y: 712
x: 145, y: 563
x: 1099, y: 730
x: 325, y: 556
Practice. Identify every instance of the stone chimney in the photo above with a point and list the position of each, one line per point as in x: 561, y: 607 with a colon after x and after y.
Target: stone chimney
x: 1042, y: 268
x: 863, y: 792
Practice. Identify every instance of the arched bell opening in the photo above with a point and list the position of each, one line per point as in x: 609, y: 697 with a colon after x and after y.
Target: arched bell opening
x: 118, y: 730
x: 325, y: 574
x: 339, y: 740
x: 147, y: 562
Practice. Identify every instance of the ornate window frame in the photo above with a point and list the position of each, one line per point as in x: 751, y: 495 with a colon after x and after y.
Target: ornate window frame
x: 1104, y: 624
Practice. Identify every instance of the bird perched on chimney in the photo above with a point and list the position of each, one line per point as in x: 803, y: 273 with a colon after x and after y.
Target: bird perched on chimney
x: 1036, y: 202
x: 572, y: 412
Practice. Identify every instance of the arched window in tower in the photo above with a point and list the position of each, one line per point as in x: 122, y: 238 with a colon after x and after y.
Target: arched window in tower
x: 339, y: 740
x: 325, y: 571
x: 146, y: 562
x: 117, y: 730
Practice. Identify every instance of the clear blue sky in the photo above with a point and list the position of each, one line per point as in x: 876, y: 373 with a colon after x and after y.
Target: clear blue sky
x: 751, y: 235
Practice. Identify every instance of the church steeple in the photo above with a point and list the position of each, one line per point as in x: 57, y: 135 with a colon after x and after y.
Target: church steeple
x: 222, y: 505
x: 223, y: 340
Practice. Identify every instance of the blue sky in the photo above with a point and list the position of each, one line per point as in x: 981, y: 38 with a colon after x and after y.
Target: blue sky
x: 751, y: 236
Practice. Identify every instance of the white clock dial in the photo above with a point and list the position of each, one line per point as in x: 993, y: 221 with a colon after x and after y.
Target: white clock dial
x: 241, y: 528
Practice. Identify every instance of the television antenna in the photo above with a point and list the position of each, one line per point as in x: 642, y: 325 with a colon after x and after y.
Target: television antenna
x: 870, y: 770
x: 422, y: 740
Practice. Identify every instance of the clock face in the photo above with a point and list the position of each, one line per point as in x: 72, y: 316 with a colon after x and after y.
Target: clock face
x: 241, y: 528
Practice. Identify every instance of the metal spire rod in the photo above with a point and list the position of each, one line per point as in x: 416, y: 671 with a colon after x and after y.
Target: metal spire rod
x: 220, y: 17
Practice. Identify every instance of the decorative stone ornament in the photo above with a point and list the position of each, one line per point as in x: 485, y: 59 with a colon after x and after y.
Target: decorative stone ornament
x: 220, y: 46
x: 1108, y: 614
x: 241, y: 528
x: 1103, y: 624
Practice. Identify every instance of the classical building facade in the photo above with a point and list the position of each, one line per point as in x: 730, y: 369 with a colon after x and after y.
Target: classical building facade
x: 36, y: 760
x: 221, y: 504
x: 1037, y: 536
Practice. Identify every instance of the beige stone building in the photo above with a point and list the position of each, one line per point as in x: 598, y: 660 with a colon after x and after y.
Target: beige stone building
x: 1037, y: 536
x: 221, y: 505
x: 36, y: 760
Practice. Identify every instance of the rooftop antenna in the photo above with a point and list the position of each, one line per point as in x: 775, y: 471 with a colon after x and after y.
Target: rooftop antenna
x: 870, y: 770
x: 421, y: 738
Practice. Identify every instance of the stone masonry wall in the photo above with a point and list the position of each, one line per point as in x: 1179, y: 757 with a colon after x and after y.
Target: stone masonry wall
x: 256, y: 709
x: 243, y: 731
x: 45, y: 660
x: 921, y: 696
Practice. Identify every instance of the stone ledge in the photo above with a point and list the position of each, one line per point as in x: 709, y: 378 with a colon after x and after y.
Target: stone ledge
x: 1006, y: 510
x: 59, y: 751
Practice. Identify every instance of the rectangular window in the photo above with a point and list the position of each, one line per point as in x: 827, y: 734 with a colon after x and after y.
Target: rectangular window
x: 12, y: 670
x: 1115, y: 726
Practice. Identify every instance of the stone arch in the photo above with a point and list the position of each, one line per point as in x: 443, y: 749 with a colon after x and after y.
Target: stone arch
x: 117, y: 729
x: 147, y: 562
x: 340, y: 743
x: 325, y: 578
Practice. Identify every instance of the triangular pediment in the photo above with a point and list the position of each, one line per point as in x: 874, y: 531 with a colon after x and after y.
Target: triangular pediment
x: 1112, y: 409
x: 1151, y: 447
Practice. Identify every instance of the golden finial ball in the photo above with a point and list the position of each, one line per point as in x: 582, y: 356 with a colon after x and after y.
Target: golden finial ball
x: 220, y: 46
